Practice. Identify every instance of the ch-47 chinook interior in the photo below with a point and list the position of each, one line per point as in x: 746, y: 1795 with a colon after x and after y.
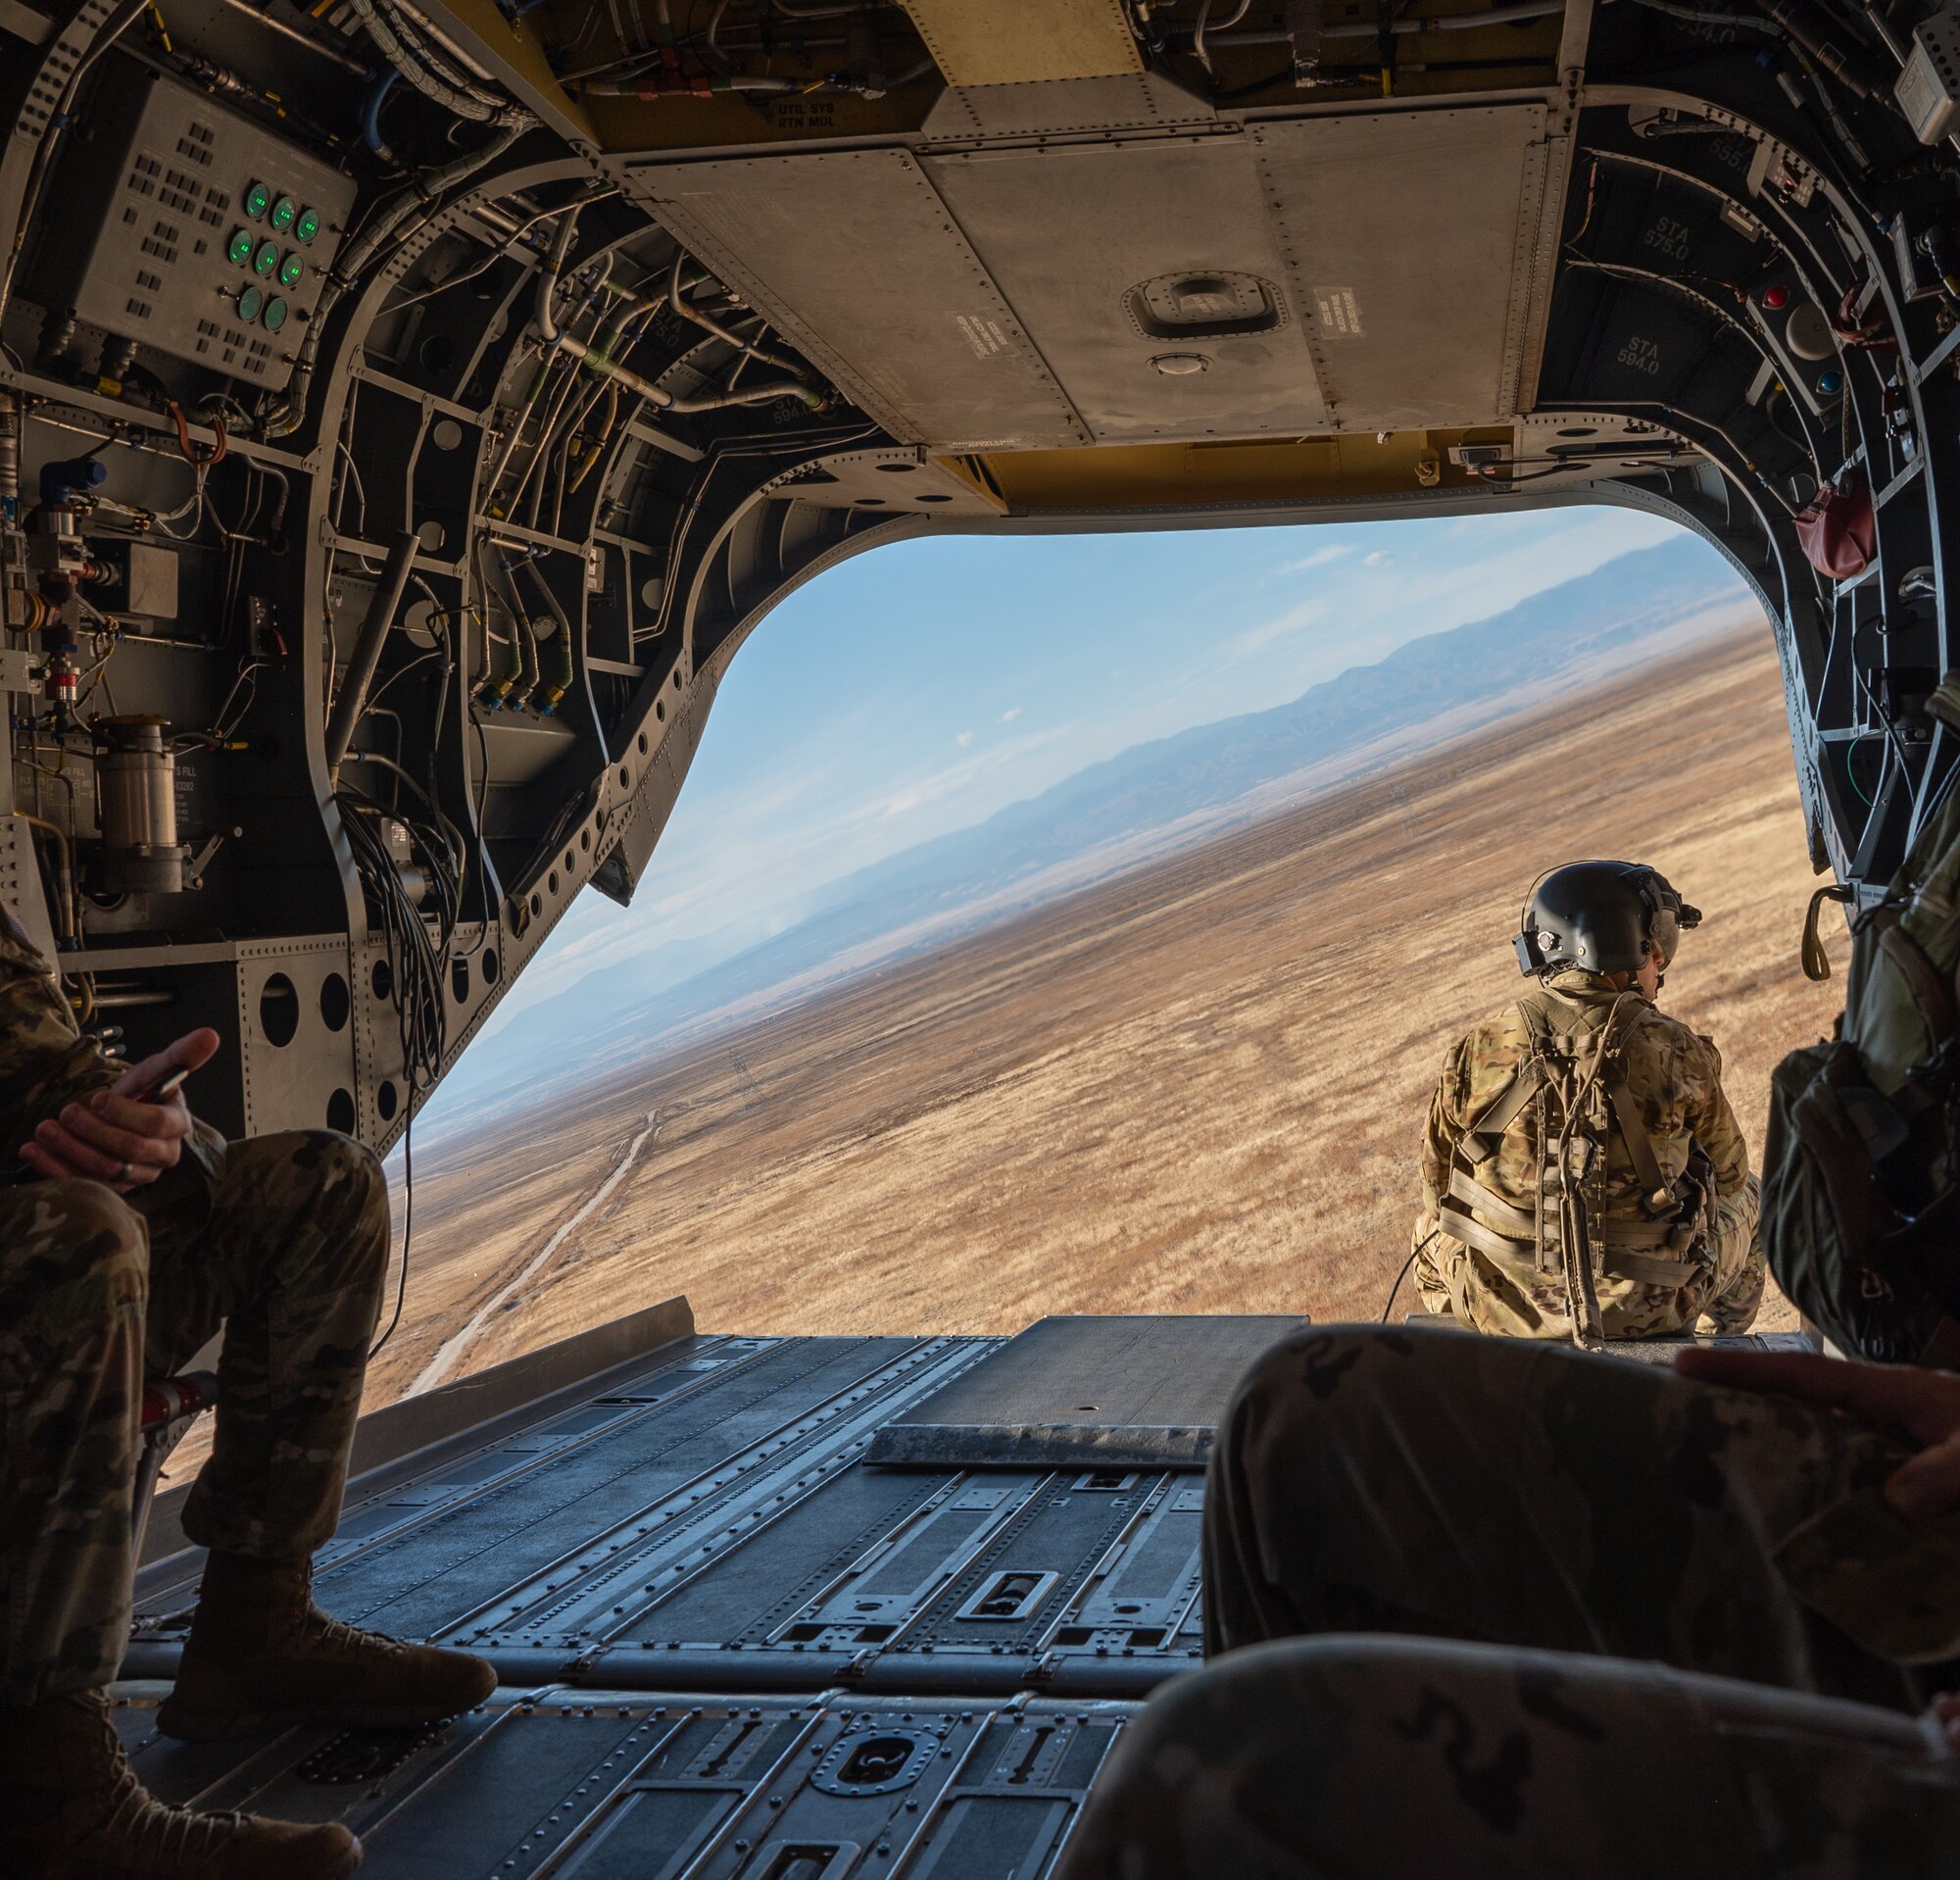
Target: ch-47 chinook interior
x: 409, y: 407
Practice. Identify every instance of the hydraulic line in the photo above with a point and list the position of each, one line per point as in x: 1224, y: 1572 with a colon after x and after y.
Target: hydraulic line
x: 471, y: 104
x: 600, y: 363
x: 389, y: 220
x: 559, y: 683
x: 678, y: 301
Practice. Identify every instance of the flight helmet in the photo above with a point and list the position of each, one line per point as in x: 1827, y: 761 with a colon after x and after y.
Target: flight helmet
x: 1600, y: 916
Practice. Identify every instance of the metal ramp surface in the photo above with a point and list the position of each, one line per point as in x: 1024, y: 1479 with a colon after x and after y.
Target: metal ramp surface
x: 724, y: 1642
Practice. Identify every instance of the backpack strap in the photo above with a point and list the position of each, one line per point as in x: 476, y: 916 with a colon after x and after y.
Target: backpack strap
x: 1931, y: 992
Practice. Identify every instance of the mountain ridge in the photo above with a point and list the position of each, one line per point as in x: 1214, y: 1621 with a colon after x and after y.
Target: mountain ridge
x: 1120, y: 810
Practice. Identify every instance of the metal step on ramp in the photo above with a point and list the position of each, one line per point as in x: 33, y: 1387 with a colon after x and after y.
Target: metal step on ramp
x: 634, y: 1785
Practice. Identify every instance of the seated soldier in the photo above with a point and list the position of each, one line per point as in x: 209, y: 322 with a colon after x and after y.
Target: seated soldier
x: 1640, y: 1623
x: 1583, y: 1174
x: 134, y: 1234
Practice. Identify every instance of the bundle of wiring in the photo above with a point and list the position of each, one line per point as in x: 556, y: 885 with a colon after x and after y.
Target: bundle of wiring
x: 417, y: 973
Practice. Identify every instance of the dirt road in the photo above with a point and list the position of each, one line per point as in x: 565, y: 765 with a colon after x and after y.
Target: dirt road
x: 1194, y: 1089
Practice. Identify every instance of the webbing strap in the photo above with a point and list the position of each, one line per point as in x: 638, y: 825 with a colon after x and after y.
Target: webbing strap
x: 1639, y: 1144
x: 1480, y: 1139
x: 1613, y: 1236
x: 1521, y: 1221
x: 1516, y: 1257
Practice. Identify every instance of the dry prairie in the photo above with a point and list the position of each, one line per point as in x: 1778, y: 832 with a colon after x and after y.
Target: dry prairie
x: 1195, y: 1088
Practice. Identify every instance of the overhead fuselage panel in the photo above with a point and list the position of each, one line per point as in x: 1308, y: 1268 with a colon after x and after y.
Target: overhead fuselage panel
x: 1352, y: 272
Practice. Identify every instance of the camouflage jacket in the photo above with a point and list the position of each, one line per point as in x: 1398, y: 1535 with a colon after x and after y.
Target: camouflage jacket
x: 45, y: 1060
x: 1674, y: 1077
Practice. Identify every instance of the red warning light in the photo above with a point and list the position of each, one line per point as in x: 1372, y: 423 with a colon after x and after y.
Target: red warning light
x: 1776, y: 298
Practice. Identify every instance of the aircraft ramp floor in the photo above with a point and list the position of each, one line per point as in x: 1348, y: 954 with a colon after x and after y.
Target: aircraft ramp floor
x: 725, y: 1643
x: 730, y: 1641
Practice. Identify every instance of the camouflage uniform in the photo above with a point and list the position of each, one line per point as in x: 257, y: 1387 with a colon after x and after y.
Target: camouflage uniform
x: 1674, y: 1077
x: 1641, y: 1537
x: 282, y: 1240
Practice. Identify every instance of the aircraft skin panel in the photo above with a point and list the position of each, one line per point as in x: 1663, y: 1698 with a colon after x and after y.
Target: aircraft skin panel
x: 856, y: 254
x: 1408, y: 306
x: 1099, y: 269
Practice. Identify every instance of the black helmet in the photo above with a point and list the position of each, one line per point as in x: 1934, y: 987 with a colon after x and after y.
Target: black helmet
x: 1600, y: 916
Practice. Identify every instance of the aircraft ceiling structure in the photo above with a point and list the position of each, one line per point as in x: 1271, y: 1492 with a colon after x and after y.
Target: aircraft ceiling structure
x: 408, y: 407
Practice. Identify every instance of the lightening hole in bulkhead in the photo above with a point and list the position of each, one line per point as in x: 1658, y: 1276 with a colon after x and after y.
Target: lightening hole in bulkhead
x: 337, y: 1001
x: 382, y: 979
x: 385, y: 1100
x: 459, y: 979
x: 340, y: 1111
x: 489, y: 968
x: 278, y: 1011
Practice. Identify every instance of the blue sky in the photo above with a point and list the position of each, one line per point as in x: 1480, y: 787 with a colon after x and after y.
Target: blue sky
x: 920, y: 687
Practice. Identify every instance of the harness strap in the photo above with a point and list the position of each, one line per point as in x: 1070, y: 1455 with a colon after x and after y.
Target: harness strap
x: 1659, y: 1191
x: 1521, y: 1224
x: 1480, y: 1139
x: 1514, y: 1256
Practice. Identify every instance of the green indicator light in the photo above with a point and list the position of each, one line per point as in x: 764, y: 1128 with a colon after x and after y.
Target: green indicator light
x: 258, y: 199
x: 283, y: 211
x: 276, y: 315
x: 250, y: 300
x: 308, y: 225
x: 239, y: 247
x: 267, y: 259
x: 290, y: 269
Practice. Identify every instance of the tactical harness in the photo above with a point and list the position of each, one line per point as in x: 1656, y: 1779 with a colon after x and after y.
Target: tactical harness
x: 1576, y: 1084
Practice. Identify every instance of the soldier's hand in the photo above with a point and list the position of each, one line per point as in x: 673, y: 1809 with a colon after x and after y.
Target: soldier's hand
x: 115, y: 1137
x: 1921, y: 1404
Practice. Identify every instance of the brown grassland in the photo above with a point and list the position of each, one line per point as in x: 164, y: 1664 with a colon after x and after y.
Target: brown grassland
x: 1194, y: 1088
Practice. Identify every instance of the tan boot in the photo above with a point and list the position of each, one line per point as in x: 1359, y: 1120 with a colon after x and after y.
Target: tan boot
x: 262, y: 1656
x: 71, y: 1808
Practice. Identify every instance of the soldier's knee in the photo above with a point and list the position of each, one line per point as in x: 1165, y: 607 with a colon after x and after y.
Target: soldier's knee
x: 1307, y: 1374
x: 349, y: 1191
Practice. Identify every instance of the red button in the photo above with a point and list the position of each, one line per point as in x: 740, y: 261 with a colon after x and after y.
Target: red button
x: 1776, y: 297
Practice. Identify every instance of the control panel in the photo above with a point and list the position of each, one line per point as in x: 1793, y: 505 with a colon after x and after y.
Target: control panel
x: 207, y: 237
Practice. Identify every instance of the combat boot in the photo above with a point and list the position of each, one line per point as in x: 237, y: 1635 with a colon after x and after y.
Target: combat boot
x: 71, y: 1808
x: 262, y: 1656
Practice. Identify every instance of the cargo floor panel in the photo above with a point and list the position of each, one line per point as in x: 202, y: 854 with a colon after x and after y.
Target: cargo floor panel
x: 437, y: 1568
x: 710, y: 1520
x: 614, y: 1784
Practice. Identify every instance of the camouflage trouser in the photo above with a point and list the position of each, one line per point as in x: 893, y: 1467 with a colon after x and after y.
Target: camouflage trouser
x: 1431, y: 1483
x: 1348, y: 1757
x: 291, y: 1262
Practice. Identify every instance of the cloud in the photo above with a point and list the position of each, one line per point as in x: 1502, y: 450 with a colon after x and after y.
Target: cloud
x: 1011, y: 713
x: 1302, y: 614
x: 965, y: 740
x: 1318, y: 559
x: 1378, y: 558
